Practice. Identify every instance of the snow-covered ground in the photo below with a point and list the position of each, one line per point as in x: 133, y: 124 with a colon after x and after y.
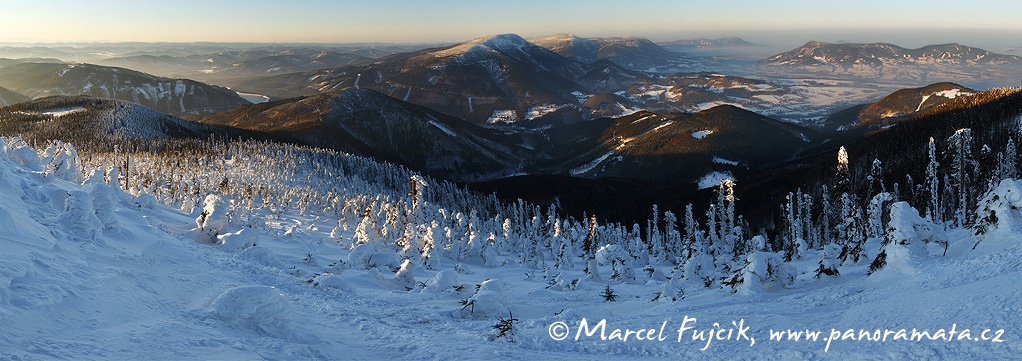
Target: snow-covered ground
x: 88, y: 271
x: 253, y: 97
x: 700, y: 134
x: 62, y: 111
x: 712, y: 179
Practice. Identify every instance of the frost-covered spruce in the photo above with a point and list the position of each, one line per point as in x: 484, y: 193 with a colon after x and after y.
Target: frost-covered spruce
x: 963, y: 170
x: 405, y: 276
x: 875, y: 211
x: 933, y: 209
x: 906, y: 237
x: 214, y: 217
x: 430, y: 251
x: 670, y: 291
x: 488, y: 252
x: 104, y: 199
x: 999, y: 213
x: 61, y: 161
x: 761, y: 270
x: 829, y: 261
x: 672, y: 238
x: 1007, y: 165
x: 80, y: 215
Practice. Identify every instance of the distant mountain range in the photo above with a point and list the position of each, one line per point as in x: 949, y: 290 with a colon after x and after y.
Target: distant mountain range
x: 8, y: 97
x: 815, y: 53
x: 632, y: 53
x: 704, y: 43
x: 173, y: 96
x: 887, y: 62
x: 239, y: 64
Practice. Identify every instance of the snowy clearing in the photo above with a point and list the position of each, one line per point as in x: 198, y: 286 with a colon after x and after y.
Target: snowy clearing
x: 503, y: 116
x: 61, y: 111
x: 591, y: 165
x: 541, y: 110
x: 952, y: 93
x: 720, y: 160
x: 442, y: 128
x: 253, y: 97
x: 700, y: 134
x: 712, y: 179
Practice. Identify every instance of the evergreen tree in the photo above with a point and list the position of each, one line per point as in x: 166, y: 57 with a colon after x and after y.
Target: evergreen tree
x: 693, y: 236
x: 655, y: 238
x: 875, y: 179
x: 672, y: 238
x: 1010, y: 160
x: 844, y: 182
x: 964, y: 169
x: 590, y: 243
x: 851, y: 233
x: 729, y: 230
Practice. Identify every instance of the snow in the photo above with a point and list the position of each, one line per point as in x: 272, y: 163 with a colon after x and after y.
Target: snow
x: 709, y: 105
x: 641, y: 119
x: 262, y: 309
x: 921, y: 102
x: 580, y: 96
x: 661, y: 126
x: 61, y: 111
x: 626, y: 111
x: 503, y: 116
x: 589, y: 166
x: 442, y: 127
x: 254, y: 98
x: 772, y: 99
x: 700, y: 134
x: 712, y: 179
x: 145, y: 289
x: 541, y: 110
x: 720, y: 160
x: 952, y: 93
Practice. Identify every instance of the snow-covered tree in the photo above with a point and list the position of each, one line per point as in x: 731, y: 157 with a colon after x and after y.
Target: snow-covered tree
x: 672, y: 238
x: 1007, y: 161
x: 851, y: 232
x: 693, y: 239
x: 906, y: 235
x: 875, y: 212
x: 214, y: 217
x: 759, y: 270
x: 963, y: 170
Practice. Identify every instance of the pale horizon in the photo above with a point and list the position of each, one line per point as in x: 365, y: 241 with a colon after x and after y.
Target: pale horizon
x: 406, y: 22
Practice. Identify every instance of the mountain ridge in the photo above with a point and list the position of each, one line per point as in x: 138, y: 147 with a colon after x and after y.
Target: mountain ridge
x: 173, y: 96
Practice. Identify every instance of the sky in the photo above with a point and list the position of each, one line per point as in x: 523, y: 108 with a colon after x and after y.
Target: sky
x: 407, y: 21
